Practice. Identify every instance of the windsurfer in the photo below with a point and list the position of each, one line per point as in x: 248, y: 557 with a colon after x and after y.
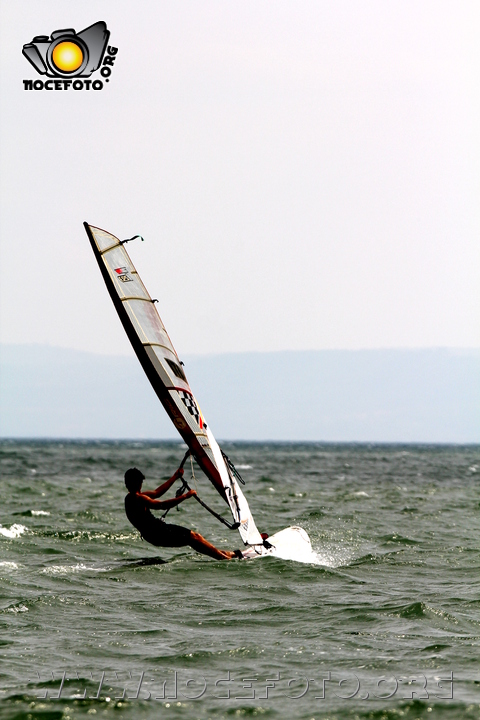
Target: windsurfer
x: 138, y: 507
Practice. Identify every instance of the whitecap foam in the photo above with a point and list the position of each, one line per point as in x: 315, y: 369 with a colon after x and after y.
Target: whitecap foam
x: 13, y: 531
x: 40, y: 512
x: 17, y: 609
x: 64, y: 569
x: 5, y: 564
x: 244, y: 467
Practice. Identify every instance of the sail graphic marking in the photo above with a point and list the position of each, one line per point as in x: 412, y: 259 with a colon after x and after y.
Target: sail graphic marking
x: 189, y: 402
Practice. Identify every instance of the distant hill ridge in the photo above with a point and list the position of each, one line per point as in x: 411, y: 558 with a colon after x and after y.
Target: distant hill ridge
x: 425, y: 395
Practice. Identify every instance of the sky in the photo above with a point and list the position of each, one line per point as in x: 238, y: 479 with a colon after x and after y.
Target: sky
x: 305, y: 175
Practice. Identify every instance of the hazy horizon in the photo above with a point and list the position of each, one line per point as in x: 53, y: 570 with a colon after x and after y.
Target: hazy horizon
x: 423, y: 395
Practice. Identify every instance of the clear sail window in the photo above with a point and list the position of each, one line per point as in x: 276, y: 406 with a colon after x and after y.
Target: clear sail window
x: 176, y: 369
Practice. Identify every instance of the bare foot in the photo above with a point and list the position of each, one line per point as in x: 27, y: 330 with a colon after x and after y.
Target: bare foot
x: 230, y: 554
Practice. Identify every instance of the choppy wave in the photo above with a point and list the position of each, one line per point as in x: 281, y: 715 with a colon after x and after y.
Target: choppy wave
x: 90, y: 535
x: 393, y: 590
x: 66, y: 569
x: 8, y: 565
x: 14, y: 531
x: 334, y: 557
x: 18, y: 608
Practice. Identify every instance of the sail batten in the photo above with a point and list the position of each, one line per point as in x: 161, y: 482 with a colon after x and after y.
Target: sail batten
x: 161, y: 363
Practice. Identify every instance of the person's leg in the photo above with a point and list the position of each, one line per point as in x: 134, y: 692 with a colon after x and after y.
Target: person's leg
x: 168, y: 535
x: 198, y: 543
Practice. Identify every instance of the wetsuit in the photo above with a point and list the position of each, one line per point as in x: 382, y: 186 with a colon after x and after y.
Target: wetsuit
x: 154, y: 530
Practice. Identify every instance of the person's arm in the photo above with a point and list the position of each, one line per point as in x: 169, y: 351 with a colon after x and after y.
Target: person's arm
x: 162, y: 489
x: 166, y: 504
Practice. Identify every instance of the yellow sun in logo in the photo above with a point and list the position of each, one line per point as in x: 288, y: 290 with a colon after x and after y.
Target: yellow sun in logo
x: 67, y: 56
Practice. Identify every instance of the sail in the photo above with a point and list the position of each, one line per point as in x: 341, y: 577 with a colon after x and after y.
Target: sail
x: 163, y: 368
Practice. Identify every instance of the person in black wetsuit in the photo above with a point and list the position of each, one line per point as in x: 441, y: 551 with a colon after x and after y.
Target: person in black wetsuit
x: 138, y: 506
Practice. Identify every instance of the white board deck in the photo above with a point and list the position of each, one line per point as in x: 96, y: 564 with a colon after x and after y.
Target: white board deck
x: 292, y: 543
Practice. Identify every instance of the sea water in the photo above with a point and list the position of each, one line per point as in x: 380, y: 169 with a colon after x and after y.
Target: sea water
x: 384, y: 624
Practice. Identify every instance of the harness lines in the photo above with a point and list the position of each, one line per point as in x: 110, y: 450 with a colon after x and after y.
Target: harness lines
x: 185, y: 486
